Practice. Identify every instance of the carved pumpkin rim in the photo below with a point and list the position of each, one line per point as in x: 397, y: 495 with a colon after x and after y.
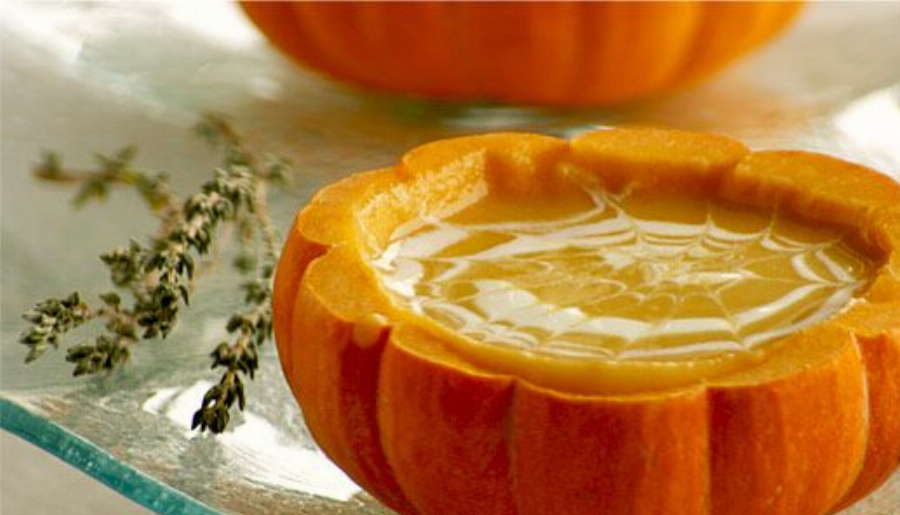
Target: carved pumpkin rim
x: 726, y: 164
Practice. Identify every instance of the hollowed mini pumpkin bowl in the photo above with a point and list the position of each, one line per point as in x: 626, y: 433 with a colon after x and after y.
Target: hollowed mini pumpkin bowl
x: 434, y: 421
x: 551, y: 53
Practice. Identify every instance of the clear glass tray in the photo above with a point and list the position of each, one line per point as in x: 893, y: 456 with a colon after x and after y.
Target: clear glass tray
x: 79, y: 77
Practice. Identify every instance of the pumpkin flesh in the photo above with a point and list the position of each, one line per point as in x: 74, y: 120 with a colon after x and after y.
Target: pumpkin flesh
x: 433, y: 422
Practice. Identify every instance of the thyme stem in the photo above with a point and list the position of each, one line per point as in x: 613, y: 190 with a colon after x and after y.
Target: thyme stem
x: 157, y: 278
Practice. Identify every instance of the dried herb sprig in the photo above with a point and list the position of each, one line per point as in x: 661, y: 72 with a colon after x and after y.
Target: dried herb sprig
x: 157, y: 277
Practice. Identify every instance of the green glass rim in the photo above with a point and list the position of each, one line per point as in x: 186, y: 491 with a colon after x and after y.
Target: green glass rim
x: 97, y: 463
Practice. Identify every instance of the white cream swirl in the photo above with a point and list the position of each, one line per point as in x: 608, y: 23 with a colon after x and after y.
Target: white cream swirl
x: 609, y: 282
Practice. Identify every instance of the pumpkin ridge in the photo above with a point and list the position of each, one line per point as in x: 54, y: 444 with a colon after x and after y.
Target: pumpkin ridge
x: 710, y: 427
x: 674, y: 72
x: 809, y: 419
x: 668, y: 78
x: 467, y: 78
x: 867, y: 408
x: 348, y: 431
x: 296, y: 256
x: 775, y: 17
x: 555, y: 83
x: 378, y: 467
x: 654, y: 39
x: 707, y: 47
x: 568, y: 88
x: 391, y: 491
x: 599, y: 60
x: 878, y: 352
x: 509, y: 432
x: 455, y: 83
x: 449, y: 436
x: 703, y: 482
x: 855, y: 476
x: 591, y: 451
x: 275, y: 20
x: 315, y: 22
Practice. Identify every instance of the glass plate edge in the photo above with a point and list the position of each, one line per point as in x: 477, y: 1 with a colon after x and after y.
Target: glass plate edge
x: 97, y: 463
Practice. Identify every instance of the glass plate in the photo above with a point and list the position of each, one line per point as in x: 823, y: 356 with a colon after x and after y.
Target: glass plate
x: 79, y: 77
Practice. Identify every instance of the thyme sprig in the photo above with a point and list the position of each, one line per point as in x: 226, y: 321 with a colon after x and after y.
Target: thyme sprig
x: 155, y: 280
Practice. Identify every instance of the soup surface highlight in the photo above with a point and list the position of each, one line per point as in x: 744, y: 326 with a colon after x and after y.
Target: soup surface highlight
x: 638, y: 276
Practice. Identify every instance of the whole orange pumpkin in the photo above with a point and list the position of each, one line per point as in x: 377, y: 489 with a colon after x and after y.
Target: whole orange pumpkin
x: 554, y: 53
x: 434, y: 423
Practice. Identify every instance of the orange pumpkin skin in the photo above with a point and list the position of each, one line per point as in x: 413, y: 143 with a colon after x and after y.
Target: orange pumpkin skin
x: 552, y: 53
x: 429, y: 431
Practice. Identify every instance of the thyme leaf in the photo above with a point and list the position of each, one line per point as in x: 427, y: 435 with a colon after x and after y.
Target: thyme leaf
x: 154, y: 280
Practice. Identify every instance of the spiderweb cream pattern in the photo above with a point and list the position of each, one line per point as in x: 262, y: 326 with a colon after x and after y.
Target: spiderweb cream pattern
x: 607, y: 283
